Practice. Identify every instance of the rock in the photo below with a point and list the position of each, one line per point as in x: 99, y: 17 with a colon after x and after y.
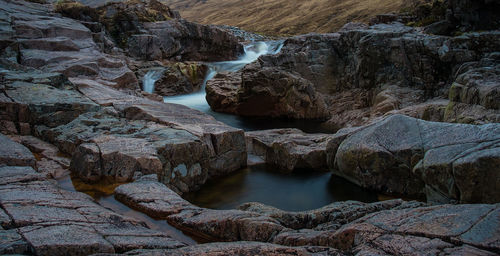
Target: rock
x: 190, y: 41
x: 262, y: 91
x: 12, y: 243
x: 428, y: 225
x: 47, y: 220
x: 474, y: 15
x: 405, y: 155
x: 241, y: 248
x: 151, y: 197
x: 177, y: 78
x: 442, y: 27
x: 14, y: 154
x: 289, y: 149
x: 361, y: 74
x: 364, y: 228
x: 39, y: 103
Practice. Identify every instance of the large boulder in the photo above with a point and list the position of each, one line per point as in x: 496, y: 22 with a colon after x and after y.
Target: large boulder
x: 413, y: 157
x: 265, y: 91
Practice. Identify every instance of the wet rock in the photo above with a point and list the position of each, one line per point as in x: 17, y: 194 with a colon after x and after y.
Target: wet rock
x: 14, y: 154
x: 265, y: 91
x: 47, y: 220
x: 289, y: 148
x: 412, y: 157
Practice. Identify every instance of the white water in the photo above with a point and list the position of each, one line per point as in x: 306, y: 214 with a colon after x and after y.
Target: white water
x: 252, y: 52
x: 150, y: 79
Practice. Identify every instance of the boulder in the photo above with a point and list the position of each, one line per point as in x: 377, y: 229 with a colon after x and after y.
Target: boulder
x: 413, y: 157
x: 289, y: 149
x: 263, y: 91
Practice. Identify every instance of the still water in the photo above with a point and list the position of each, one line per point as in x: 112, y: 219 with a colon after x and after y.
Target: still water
x: 297, y: 191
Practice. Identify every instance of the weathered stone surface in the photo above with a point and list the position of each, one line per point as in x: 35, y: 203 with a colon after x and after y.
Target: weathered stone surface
x: 13, y: 154
x: 289, y: 148
x: 436, y: 223
x: 363, y: 73
x: 241, y: 248
x: 393, y: 226
x: 410, y: 156
x: 46, y: 220
x: 264, y: 91
x: 40, y: 103
x: 12, y: 243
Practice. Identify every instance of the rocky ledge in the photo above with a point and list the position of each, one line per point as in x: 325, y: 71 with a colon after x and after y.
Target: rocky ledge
x: 71, y: 102
x: 388, y: 227
x: 361, y: 73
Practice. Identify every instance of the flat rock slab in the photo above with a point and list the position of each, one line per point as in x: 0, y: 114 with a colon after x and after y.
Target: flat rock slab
x: 15, y: 154
x: 41, y: 218
x: 289, y: 149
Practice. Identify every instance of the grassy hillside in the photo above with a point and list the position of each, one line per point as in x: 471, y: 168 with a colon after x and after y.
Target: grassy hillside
x: 279, y: 17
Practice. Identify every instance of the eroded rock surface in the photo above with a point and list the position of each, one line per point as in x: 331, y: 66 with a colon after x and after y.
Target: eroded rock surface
x: 414, y: 157
x: 38, y: 217
x: 349, y: 227
x: 362, y: 73
x: 289, y: 149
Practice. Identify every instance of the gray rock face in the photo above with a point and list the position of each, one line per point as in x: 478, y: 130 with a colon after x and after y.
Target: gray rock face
x: 12, y: 153
x: 414, y: 157
x: 360, y: 74
x: 38, y: 217
x: 262, y: 91
x: 289, y: 149
x: 56, y: 44
x: 395, y: 226
x: 475, y: 15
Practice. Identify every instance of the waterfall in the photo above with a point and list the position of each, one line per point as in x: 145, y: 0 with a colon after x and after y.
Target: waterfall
x: 252, y: 52
x: 150, y: 78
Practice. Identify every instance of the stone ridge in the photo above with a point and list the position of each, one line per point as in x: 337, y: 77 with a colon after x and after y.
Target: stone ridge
x: 350, y: 227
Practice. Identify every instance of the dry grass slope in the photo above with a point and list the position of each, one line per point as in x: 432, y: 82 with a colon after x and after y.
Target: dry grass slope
x: 284, y: 17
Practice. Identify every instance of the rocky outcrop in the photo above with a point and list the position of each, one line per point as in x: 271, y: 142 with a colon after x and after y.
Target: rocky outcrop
x: 176, y: 78
x: 15, y: 154
x: 382, y: 227
x: 38, y: 217
x: 360, y: 74
x: 150, y: 30
x: 289, y: 149
x: 413, y: 157
x: 262, y: 91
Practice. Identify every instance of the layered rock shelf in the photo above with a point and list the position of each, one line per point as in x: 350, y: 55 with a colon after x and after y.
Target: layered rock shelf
x: 415, y: 115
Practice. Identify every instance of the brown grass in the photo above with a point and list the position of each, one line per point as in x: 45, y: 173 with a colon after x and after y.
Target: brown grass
x: 285, y: 17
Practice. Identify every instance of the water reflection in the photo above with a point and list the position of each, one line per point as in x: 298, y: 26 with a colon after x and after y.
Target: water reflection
x: 297, y: 191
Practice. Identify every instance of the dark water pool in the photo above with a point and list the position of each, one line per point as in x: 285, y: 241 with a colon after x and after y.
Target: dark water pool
x: 297, y: 191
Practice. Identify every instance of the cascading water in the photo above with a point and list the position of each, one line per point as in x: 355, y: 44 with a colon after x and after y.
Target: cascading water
x: 150, y: 79
x: 251, y: 53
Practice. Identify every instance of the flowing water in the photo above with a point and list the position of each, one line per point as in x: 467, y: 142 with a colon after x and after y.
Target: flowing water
x: 149, y: 80
x: 300, y: 190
